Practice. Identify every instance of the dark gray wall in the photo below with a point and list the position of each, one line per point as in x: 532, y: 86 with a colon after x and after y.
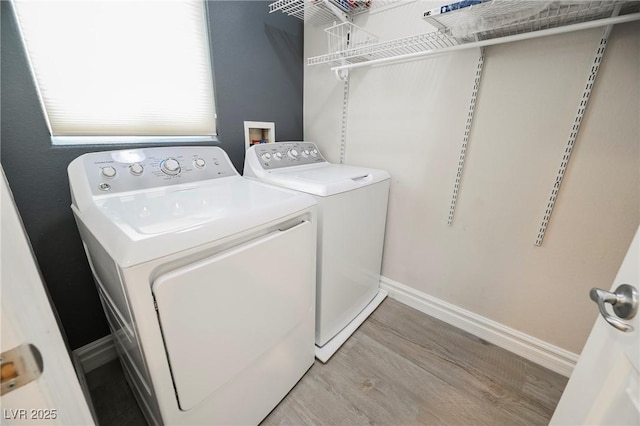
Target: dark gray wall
x: 258, y: 72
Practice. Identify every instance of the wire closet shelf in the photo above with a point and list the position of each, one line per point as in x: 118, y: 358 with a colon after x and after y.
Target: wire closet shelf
x: 324, y: 11
x: 492, y: 20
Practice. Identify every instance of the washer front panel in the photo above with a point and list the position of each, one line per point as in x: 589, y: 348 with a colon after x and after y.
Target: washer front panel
x: 129, y: 170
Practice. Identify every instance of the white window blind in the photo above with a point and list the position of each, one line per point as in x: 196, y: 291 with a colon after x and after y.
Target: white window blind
x: 121, y: 67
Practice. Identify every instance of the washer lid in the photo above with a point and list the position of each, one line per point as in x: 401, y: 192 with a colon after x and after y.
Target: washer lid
x: 325, y: 179
x: 143, y: 225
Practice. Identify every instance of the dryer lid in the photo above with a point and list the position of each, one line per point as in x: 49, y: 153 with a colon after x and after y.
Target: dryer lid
x: 144, y: 225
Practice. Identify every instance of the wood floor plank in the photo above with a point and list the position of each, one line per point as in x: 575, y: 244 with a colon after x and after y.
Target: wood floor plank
x: 470, y: 353
x: 419, y: 370
x: 453, y: 395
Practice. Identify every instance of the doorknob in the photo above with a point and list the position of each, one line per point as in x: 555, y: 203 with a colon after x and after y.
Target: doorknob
x: 624, y: 301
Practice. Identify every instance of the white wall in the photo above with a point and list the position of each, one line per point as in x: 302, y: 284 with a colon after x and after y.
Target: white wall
x: 409, y: 119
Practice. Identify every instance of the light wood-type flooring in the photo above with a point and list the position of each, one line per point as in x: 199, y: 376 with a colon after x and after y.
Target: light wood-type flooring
x: 401, y: 367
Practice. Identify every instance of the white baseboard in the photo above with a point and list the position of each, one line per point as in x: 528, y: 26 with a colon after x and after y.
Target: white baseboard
x: 96, y: 353
x: 535, y: 350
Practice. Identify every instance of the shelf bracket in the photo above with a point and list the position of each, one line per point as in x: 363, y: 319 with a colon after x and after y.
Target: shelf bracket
x: 575, y: 128
x: 336, y: 11
x: 465, y: 139
x: 342, y: 74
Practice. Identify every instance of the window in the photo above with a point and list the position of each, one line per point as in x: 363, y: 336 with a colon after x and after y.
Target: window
x: 110, y: 70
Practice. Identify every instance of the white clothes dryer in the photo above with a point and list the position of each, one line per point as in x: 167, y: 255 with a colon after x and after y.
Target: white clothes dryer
x: 207, y: 280
x: 352, y: 211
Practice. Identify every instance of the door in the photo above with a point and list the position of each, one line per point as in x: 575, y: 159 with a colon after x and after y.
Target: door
x: 604, y: 387
x: 51, y: 394
x: 220, y: 314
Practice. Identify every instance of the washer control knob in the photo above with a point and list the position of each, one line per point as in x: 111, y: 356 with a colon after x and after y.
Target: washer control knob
x: 314, y: 152
x: 277, y: 156
x: 136, y: 169
x: 305, y: 153
x: 266, y: 156
x: 170, y: 166
x: 108, y: 172
x: 199, y: 163
x: 292, y: 153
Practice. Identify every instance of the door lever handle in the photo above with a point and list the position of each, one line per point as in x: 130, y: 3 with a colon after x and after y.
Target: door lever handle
x: 624, y: 301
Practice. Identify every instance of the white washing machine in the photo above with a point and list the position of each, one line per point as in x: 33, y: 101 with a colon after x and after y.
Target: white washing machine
x: 352, y: 211
x: 207, y: 280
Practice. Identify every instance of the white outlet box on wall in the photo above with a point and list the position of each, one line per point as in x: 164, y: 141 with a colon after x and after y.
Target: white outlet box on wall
x: 258, y: 132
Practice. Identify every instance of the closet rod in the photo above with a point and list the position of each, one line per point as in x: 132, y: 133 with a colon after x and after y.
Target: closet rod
x: 517, y: 37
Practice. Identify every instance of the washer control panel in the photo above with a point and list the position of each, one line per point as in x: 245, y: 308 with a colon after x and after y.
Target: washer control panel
x: 286, y: 154
x: 131, y: 170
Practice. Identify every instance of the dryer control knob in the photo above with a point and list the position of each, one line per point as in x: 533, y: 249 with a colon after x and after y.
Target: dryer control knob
x: 277, y: 156
x: 170, y: 166
x: 314, y: 152
x: 199, y: 163
x: 108, y: 172
x: 266, y: 156
x: 305, y: 153
x: 292, y: 153
x: 136, y: 169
